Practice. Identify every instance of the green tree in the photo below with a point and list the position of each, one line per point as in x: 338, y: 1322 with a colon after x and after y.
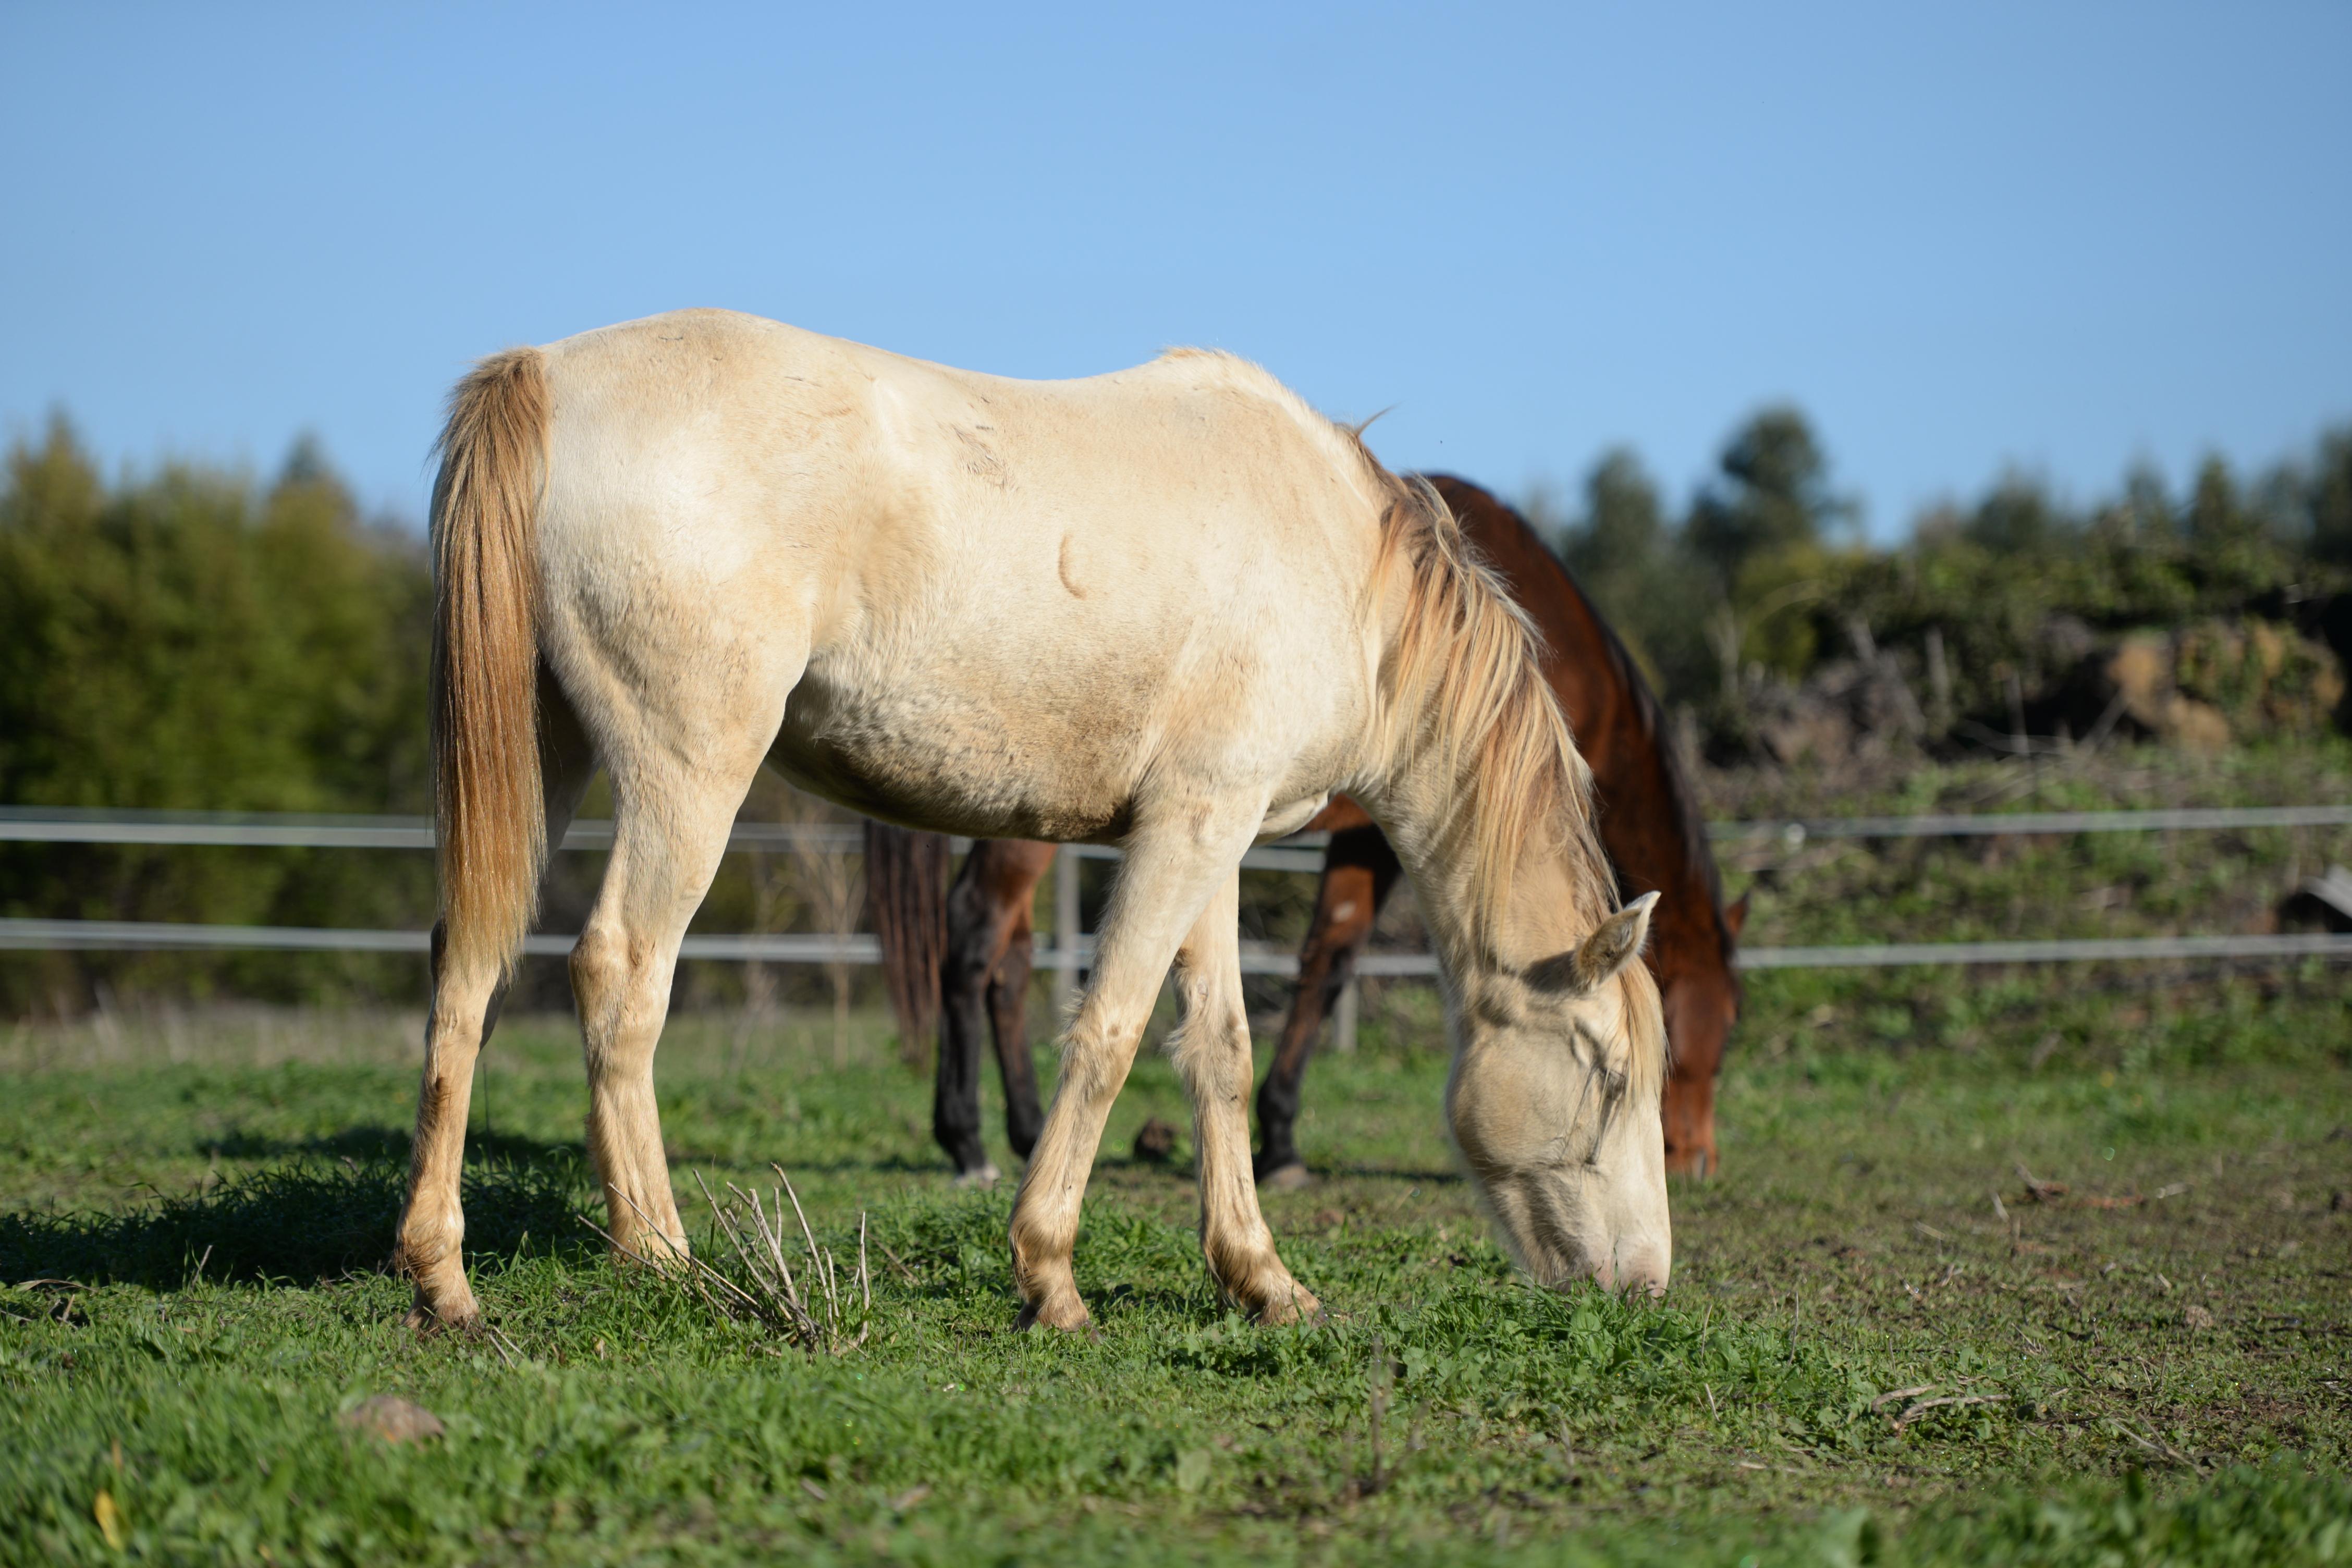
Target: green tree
x: 1636, y: 573
x: 184, y: 642
x: 2018, y: 517
x: 1773, y: 494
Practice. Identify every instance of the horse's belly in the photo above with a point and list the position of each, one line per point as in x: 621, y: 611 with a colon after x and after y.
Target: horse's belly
x: 940, y: 759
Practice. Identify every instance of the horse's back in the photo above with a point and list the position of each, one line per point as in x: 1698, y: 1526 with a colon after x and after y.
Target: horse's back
x: 1014, y: 599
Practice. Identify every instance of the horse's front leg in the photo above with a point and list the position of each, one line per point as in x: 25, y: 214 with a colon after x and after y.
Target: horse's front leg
x: 987, y: 917
x: 1212, y: 1056
x: 1175, y: 863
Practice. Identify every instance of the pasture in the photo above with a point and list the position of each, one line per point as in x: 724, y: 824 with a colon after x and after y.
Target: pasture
x: 1891, y: 1336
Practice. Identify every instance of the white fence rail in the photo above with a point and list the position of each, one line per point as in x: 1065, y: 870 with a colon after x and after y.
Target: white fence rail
x: 1072, y: 951
x: 1257, y: 958
x: 1994, y: 823
x: 272, y: 830
x: 55, y: 824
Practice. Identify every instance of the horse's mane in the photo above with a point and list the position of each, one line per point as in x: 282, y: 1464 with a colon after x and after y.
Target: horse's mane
x: 1461, y: 678
x: 1650, y: 715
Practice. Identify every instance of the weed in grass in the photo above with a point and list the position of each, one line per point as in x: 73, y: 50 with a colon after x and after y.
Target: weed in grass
x: 753, y: 1280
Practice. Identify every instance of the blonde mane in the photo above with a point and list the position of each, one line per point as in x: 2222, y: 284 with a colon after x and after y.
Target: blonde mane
x: 1461, y: 686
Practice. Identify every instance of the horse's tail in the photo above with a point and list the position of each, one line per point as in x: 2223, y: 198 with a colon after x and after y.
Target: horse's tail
x: 907, y: 899
x: 491, y: 820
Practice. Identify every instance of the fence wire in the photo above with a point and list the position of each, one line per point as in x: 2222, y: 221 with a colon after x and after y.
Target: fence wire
x: 1303, y: 853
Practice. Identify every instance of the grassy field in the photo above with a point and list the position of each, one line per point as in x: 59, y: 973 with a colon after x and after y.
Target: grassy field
x: 1892, y: 1338
x: 2151, y: 1363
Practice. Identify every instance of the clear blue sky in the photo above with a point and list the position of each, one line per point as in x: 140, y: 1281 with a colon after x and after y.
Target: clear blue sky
x: 1963, y: 238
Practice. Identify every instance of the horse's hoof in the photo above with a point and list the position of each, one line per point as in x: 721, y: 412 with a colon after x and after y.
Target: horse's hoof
x: 427, y: 1322
x: 1288, y: 1178
x: 1066, y: 1313
x: 984, y: 1178
x: 1298, y: 1306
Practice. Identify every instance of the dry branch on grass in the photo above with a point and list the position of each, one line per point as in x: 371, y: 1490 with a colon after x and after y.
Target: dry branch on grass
x: 754, y: 1280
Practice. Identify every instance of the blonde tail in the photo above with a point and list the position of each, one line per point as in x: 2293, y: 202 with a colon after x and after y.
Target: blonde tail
x: 485, y: 684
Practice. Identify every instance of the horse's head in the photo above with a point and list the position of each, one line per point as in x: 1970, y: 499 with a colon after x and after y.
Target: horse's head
x: 1554, y: 1104
x: 1702, y: 998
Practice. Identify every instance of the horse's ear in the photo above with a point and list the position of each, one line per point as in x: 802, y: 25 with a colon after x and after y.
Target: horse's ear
x: 1598, y: 958
x: 1735, y: 918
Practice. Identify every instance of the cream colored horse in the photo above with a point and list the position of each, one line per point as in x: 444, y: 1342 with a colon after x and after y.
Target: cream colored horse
x: 1171, y: 608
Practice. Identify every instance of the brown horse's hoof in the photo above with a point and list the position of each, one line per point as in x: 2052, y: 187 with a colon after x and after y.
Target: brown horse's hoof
x: 1289, y: 1178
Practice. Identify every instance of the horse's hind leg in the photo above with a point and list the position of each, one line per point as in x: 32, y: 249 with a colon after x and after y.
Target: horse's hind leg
x: 429, y: 1244
x: 1008, y: 1021
x: 1212, y: 1056
x: 672, y: 816
x: 988, y: 930
x: 1359, y: 871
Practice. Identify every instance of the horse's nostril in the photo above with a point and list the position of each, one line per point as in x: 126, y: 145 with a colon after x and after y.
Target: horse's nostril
x: 1642, y: 1269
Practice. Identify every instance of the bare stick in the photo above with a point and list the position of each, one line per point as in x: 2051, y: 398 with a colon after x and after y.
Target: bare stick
x: 1887, y: 1399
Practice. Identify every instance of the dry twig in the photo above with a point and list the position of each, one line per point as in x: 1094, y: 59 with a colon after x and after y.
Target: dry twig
x: 759, y: 1285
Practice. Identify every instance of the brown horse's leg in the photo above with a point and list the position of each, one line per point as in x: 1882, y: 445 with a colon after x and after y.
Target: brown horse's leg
x: 1359, y: 871
x: 987, y: 909
x: 1008, y: 1020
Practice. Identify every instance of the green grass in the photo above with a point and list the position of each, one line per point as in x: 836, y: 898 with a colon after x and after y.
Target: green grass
x: 2158, y: 1380
x: 2149, y: 1367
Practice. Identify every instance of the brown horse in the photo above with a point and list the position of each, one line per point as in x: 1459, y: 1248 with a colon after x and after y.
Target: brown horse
x: 1649, y: 824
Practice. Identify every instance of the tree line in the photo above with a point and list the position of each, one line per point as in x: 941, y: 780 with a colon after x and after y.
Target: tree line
x: 1766, y: 574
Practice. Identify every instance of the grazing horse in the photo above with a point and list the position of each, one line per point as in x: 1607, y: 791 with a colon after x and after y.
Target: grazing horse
x: 1171, y: 608
x: 1649, y: 824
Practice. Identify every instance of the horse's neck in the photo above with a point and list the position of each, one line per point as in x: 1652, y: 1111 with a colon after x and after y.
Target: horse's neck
x: 1650, y: 829
x: 1427, y: 821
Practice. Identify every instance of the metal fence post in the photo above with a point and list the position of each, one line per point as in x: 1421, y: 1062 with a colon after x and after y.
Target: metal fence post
x: 1068, y: 926
x: 1343, y: 1024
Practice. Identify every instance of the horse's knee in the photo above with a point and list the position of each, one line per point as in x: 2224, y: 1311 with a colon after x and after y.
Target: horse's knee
x: 969, y: 960
x: 1212, y: 1055
x: 611, y: 974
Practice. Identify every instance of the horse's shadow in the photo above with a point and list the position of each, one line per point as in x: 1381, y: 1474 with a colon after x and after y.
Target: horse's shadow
x: 390, y: 1145
x: 326, y: 1211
